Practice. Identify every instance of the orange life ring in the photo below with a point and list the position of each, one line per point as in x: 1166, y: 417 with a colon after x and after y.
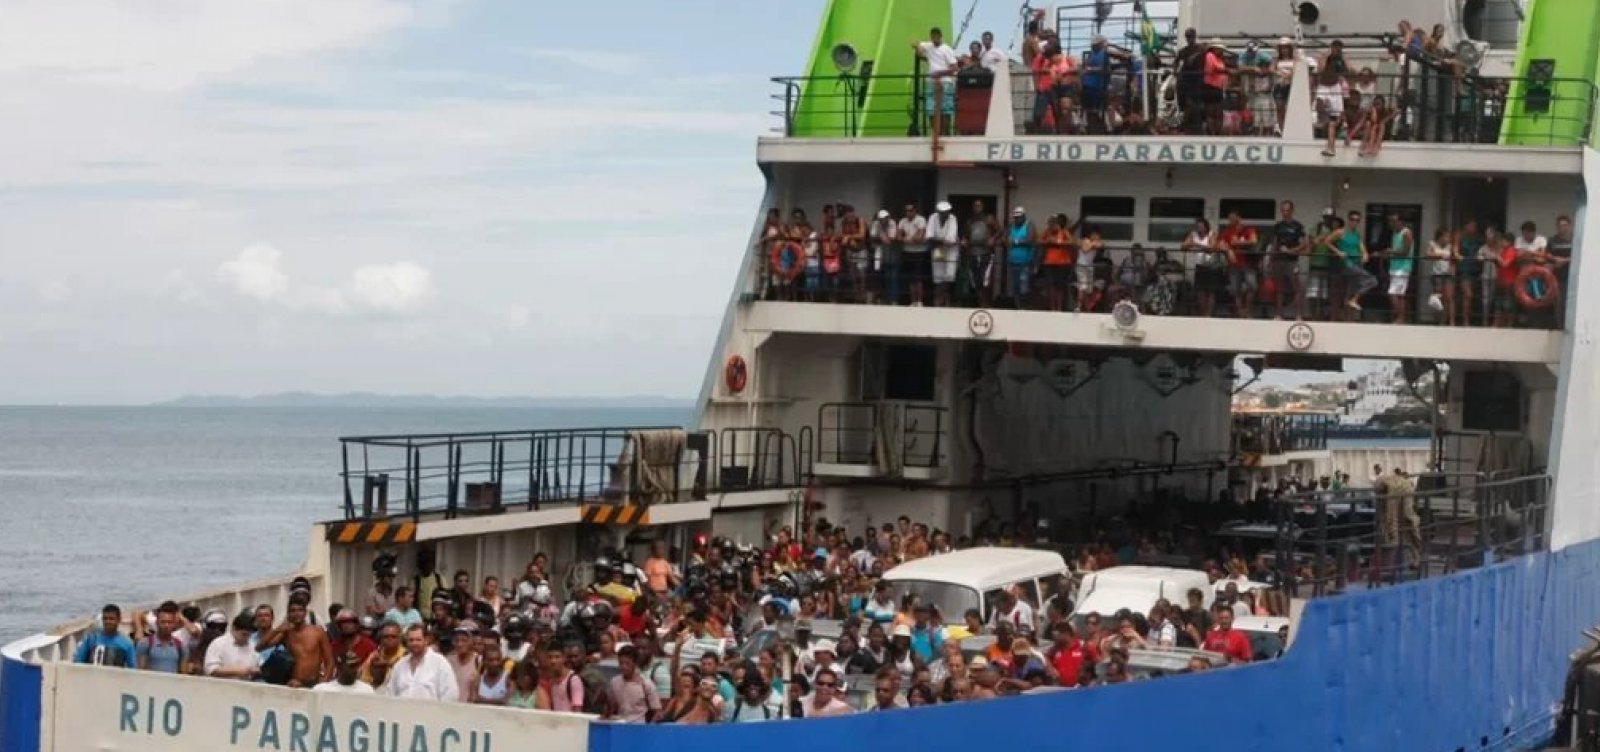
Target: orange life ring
x: 788, y: 260
x: 1533, y: 279
x: 735, y: 374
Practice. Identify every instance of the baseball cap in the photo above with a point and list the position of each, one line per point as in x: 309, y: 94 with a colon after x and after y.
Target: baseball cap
x: 802, y: 625
x: 978, y: 661
x: 943, y: 206
x: 902, y: 630
x: 215, y: 617
x: 826, y: 646
x: 1098, y: 39
x: 883, y: 214
x: 1019, y: 211
x: 1329, y: 212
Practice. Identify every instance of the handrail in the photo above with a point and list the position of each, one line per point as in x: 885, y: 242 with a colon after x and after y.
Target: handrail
x: 1173, y: 281
x: 1327, y: 539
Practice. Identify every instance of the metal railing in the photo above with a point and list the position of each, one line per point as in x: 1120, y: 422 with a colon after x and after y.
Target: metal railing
x: 1425, y: 102
x: 1331, y: 541
x: 888, y: 436
x: 1174, y: 281
x: 867, y: 105
x: 483, y: 473
x: 751, y: 459
x: 1272, y: 433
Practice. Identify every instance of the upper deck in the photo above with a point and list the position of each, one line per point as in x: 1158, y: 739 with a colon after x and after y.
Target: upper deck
x: 1440, y: 114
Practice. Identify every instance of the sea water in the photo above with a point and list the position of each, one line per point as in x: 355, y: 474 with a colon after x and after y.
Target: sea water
x: 130, y: 505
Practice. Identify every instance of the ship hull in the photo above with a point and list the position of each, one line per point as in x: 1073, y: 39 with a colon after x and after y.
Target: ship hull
x: 1479, y: 664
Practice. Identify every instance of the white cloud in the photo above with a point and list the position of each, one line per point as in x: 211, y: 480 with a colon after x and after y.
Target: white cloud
x: 392, y: 288
x: 257, y: 272
x: 177, y: 44
x: 598, y: 61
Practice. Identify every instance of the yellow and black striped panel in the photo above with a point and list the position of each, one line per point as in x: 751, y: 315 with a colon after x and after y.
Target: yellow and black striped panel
x: 372, y: 533
x: 616, y: 514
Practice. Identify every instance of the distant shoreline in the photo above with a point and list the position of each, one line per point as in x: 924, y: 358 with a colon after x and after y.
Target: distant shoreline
x: 417, y: 401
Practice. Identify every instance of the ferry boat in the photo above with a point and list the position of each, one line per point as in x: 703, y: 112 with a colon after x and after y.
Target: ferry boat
x: 834, y: 403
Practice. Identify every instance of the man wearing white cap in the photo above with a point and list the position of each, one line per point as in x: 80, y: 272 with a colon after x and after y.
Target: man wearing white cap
x: 1021, y: 261
x: 883, y: 235
x: 944, y: 250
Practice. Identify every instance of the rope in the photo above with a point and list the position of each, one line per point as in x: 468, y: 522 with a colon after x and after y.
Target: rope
x: 965, y: 22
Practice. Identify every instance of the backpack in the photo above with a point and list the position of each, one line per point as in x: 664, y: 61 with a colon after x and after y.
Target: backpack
x: 277, y: 665
x: 595, y: 697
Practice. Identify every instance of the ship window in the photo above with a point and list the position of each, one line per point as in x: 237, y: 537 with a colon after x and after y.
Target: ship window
x: 1257, y: 212
x: 1112, y: 214
x: 911, y: 372
x: 1171, y: 219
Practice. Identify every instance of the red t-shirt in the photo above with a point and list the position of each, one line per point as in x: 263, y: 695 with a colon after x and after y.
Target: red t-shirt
x: 1068, y: 663
x: 1231, y: 643
x: 1243, y: 242
x: 632, y: 623
x: 1507, y: 272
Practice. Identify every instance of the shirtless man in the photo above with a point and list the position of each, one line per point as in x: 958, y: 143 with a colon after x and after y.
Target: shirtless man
x: 313, y: 656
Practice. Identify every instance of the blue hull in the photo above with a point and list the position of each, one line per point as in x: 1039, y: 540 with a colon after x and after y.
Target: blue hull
x: 1479, y: 663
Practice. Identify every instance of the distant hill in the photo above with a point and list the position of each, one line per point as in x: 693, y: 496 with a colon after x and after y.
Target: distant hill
x: 363, y: 399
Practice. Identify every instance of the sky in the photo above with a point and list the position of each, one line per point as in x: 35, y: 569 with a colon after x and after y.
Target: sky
x: 485, y: 197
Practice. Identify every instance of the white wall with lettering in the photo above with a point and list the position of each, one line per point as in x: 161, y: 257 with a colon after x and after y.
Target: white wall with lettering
x: 118, y: 711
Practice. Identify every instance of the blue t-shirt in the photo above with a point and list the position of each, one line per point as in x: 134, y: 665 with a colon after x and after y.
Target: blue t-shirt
x: 165, y: 657
x: 102, y: 649
x: 1094, y: 69
x: 925, y: 643
x: 404, y: 618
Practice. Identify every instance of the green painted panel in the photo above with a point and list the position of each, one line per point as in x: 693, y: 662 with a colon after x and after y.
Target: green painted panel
x: 882, y: 31
x: 1568, y: 33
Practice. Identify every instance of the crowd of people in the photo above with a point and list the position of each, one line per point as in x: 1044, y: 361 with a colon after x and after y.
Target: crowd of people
x: 1210, y: 88
x: 1475, y: 274
x: 691, y: 640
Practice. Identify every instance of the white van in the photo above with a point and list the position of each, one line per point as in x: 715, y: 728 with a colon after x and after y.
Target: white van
x: 1137, y: 588
x: 974, y: 577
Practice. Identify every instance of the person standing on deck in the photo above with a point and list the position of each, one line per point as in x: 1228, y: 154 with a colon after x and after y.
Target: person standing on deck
x: 941, y: 94
x: 913, y: 232
x: 1020, y: 256
x: 1288, y: 245
x: 423, y: 674
x: 982, y: 232
x: 884, y: 279
x: 1397, y: 521
x: 381, y: 597
x: 109, y: 646
x: 307, y: 643
x: 944, y: 251
x: 1402, y: 257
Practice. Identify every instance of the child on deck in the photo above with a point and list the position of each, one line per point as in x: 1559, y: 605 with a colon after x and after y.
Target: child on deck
x: 1374, y: 126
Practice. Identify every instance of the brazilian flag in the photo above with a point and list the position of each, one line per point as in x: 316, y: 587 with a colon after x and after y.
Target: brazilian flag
x: 1150, y: 40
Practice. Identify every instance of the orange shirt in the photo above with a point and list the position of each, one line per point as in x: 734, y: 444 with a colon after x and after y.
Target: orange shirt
x: 1057, y: 248
x: 1216, y: 75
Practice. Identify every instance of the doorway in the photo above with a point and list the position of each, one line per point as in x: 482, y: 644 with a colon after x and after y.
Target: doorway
x: 1483, y: 199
